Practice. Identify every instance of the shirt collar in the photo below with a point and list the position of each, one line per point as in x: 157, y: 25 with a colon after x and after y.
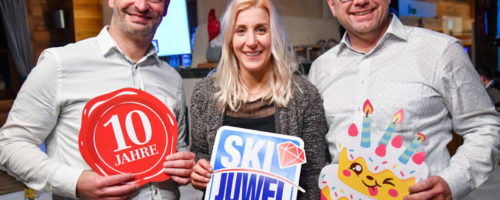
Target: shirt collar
x: 396, y: 28
x: 108, y: 45
x: 492, y: 82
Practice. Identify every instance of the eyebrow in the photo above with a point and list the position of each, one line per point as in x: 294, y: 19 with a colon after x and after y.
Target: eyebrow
x: 257, y: 25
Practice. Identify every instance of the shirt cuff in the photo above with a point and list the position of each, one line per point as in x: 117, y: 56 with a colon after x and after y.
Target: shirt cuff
x: 458, y: 182
x: 64, y: 181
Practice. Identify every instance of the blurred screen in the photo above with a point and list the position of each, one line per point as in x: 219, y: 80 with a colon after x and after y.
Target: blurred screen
x: 172, y: 36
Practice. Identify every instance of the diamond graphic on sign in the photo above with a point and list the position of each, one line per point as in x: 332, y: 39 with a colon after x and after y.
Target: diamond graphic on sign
x: 290, y: 155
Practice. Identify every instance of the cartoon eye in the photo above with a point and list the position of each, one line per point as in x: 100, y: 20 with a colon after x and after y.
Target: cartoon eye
x: 389, y: 182
x: 356, y: 167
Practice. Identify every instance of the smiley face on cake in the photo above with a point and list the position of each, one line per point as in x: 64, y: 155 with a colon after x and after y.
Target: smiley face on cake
x: 373, y: 170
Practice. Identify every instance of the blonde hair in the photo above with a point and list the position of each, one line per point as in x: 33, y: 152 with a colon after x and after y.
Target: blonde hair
x: 232, y: 92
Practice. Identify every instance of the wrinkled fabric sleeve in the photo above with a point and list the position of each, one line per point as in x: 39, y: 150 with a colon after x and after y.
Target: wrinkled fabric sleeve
x: 181, y: 119
x: 312, y: 76
x: 32, y: 117
x: 473, y: 117
x: 199, y: 103
x: 314, y: 132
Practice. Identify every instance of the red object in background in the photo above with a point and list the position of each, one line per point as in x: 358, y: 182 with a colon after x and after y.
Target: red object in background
x: 128, y: 131
x: 213, y: 25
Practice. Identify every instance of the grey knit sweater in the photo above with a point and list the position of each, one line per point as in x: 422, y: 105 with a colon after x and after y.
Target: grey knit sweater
x: 303, y: 117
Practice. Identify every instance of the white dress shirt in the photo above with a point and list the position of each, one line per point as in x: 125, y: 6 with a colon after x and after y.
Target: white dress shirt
x: 430, y: 77
x: 49, y: 108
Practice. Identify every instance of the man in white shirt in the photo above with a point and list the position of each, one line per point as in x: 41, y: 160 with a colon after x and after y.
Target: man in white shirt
x: 49, y: 108
x: 492, y: 85
x: 425, y: 73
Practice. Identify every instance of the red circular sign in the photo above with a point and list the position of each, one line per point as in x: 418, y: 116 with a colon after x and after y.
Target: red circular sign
x: 128, y: 131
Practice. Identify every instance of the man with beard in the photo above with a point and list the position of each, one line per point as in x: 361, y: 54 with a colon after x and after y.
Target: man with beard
x: 425, y: 73
x: 50, y: 103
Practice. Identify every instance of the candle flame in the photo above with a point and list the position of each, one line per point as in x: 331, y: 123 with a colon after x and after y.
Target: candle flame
x: 367, y: 107
x: 421, y: 136
x: 398, y: 117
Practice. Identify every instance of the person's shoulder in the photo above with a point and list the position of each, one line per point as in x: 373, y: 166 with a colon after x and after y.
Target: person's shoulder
x: 80, y: 49
x: 205, y: 83
x: 203, y: 92
x: 172, y: 72
x: 85, y: 44
x: 205, y: 86
x: 325, y: 60
x: 429, y: 36
x: 303, y: 87
x: 492, y: 91
x: 329, y: 55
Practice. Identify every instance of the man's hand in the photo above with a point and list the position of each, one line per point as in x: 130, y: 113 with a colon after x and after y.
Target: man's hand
x: 94, y: 186
x: 201, y: 174
x: 179, y: 166
x: 434, y: 188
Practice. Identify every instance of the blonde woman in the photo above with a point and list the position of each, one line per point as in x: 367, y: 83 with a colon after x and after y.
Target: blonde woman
x: 255, y: 88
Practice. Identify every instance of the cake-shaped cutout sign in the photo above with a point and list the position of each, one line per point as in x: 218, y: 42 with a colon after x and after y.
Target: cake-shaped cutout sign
x: 128, y: 131
x: 379, y: 167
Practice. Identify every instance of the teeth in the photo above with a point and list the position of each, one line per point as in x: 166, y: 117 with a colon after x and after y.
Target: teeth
x: 252, y: 54
x: 363, y: 13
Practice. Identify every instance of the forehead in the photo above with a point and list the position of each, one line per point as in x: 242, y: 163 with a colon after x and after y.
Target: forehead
x: 252, y: 15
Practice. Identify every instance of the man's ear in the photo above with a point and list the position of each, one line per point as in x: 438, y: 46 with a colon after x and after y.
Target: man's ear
x: 167, y: 3
x: 332, y: 7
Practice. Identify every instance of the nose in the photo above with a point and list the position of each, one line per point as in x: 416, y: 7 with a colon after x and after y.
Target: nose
x: 369, y: 177
x: 251, y: 40
x: 141, y: 5
x: 360, y: 2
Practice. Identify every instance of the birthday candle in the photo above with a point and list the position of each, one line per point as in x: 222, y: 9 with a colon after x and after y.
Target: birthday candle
x: 365, y: 132
x: 396, y: 119
x: 412, y: 148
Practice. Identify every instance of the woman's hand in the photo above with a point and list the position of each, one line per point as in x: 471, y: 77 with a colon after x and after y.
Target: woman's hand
x: 201, y: 174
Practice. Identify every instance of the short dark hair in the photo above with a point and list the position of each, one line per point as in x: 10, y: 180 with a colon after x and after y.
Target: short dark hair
x: 485, y: 70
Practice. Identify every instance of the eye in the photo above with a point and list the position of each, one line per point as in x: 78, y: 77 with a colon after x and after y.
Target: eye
x: 240, y: 31
x: 356, y: 167
x: 261, y: 29
x: 388, y: 181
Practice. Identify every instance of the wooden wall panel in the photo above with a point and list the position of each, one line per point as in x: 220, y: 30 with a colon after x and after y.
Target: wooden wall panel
x: 87, y: 18
x: 38, y: 19
x: 454, y: 8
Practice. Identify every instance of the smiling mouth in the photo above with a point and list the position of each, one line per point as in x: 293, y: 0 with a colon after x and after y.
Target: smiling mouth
x: 140, y: 16
x: 363, y: 12
x: 253, y: 53
x: 373, y: 190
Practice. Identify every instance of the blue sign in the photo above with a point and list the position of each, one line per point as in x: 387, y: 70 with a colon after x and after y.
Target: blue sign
x: 255, y: 165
